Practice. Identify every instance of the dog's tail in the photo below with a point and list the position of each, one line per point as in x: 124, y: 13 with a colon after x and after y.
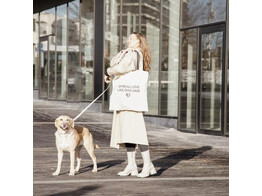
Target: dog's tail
x: 96, y: 146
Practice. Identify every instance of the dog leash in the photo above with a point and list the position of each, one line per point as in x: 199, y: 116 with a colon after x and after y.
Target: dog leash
x: 91, y: 103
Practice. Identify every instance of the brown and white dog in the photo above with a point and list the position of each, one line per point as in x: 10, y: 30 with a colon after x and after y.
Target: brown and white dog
x: 71, y: 138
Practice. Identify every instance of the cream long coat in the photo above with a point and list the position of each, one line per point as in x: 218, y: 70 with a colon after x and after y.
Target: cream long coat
x: 127, y: 126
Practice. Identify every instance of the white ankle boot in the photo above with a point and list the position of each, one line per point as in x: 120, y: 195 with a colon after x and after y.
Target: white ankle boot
x: 131, y: 167
x: 148, y: 167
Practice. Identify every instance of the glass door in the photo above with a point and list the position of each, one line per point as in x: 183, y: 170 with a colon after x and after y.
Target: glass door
x: 211, y: 79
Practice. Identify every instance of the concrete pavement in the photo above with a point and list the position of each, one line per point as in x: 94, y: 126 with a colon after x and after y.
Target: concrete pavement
x: 186, y: 164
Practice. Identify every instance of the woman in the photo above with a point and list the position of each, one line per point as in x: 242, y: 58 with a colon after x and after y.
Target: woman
x: 128, y: 127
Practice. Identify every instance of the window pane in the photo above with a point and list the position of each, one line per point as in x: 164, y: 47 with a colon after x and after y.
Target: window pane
x: 87, y: 49
x: 52, y: 69
x: 74, y: 71
x: 198, y: 12
x: 43, y: 69
x: 47, y: 22
x: 35, y: 49
x: 47, y: 28
x: 150, y: 28
x: 112, y: 30
x: 61, y: 41
x: 130, y: 19
x: 211, y: 81
x: 188, y: 80
x: 170, y: 56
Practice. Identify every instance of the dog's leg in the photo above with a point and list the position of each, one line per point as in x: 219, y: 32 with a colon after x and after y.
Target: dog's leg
x: 59, y: 162
x: 72, y: 163
x: 78, y: 158
x: 91, y: 152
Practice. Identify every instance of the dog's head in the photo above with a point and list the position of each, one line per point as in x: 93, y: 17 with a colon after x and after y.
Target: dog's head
x: 64, y: 123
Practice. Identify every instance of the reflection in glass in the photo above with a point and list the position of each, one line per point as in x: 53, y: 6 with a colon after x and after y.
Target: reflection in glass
x: 227, y: 104
x: 198, y: 12
x: 170, y: 56
x: 47, y: 22
x: 188, y: 80
x: 43, y: 69
x: 112, y: 33
x: 150, y: 28
x: 74, y: 71
x: 52, y: 70
x: 87, y: 52
x: 47, y: 29
x: 35, y: 49
x: 211, y: 81
x: 130, y: 19
x: 61, y: 41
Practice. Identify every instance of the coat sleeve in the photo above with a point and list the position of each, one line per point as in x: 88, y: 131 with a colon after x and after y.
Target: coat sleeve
x: 127, y: 64
x: 116, y: 58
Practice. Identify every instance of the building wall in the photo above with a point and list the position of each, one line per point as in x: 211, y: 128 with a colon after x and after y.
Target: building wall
x: 74, y: 43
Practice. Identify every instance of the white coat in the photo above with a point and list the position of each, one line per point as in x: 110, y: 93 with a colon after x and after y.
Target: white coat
x: 127, y: 126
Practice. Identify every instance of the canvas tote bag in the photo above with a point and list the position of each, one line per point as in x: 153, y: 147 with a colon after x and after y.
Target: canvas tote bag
x: 130, y: 90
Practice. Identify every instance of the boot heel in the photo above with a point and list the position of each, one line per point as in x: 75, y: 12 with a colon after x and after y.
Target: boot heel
x: 134, y: 173
x: 152, y: 171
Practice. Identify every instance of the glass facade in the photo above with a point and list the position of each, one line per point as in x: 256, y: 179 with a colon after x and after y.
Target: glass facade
x: 189, y: 68
x: 157, y: 21
x: 199, y: 12
x: 66, y: 51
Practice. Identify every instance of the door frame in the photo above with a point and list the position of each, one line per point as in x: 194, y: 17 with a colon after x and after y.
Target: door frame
x: 201, y: 31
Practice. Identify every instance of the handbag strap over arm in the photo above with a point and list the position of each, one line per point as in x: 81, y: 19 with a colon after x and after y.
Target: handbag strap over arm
x: 138, y: 60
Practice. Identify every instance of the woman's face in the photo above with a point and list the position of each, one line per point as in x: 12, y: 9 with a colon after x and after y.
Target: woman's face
x: 133, y: 41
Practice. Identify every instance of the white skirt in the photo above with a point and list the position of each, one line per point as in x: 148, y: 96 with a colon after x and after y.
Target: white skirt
x: 128, y: 127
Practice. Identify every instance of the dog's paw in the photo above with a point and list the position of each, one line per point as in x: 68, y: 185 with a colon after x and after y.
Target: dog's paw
x: 94, y: 170
x: 72, y: 173
x: 76, y: 169
x: 56, y: 173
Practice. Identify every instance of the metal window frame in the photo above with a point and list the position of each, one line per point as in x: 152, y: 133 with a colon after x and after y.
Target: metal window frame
x: 160, y: 58
x: 55, y: 53
x: 226, y: 71
x: 98, y: 47
x: 67, y: 39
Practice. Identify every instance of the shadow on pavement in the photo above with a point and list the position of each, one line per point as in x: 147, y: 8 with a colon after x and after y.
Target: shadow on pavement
x: 174, y: 158
x: 78, y: 192
x: 105, y: 164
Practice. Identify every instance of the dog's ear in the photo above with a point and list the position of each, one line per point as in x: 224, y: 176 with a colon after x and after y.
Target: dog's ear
x: 72, y: 122
x: 56, y: 121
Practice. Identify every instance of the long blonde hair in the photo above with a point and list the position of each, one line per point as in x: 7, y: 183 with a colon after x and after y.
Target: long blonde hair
x: 143, y: 45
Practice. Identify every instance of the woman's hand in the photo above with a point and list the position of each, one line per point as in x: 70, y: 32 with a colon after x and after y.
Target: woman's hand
x: 107, y: 79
